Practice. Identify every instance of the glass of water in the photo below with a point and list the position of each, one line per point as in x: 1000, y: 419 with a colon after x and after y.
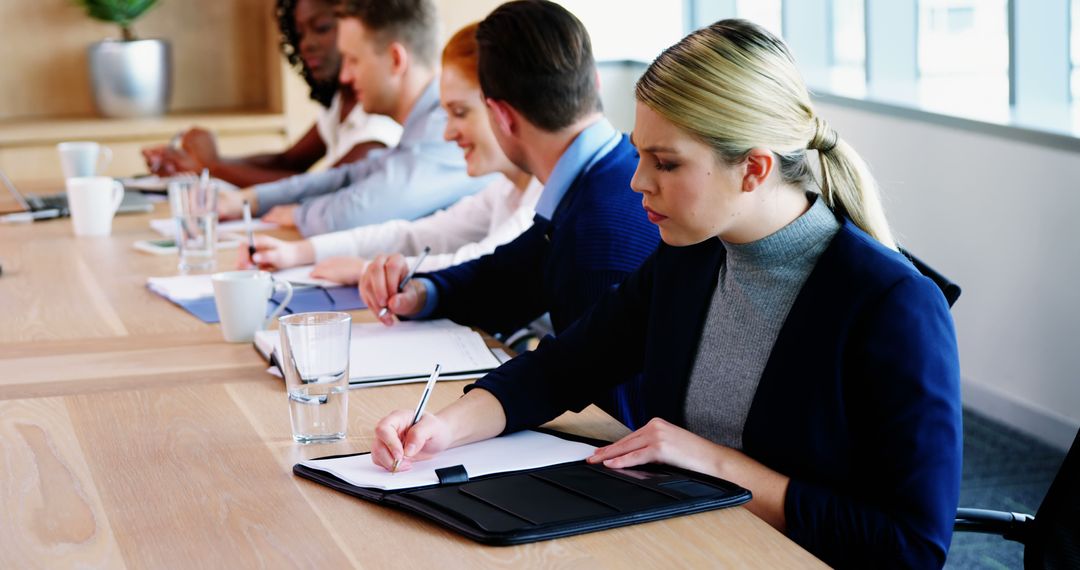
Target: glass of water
x: 315, y: 359
x: 194, y: 209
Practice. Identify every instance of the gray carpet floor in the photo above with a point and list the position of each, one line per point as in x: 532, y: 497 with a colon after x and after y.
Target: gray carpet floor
x: 1003, y: 470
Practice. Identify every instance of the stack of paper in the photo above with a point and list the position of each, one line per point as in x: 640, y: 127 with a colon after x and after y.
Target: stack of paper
x: 406, y: 352
x: 154, y: 183
x: 167, y: 226
x: 182, y: 287
x: 195, y: 294
x: 515, y: 452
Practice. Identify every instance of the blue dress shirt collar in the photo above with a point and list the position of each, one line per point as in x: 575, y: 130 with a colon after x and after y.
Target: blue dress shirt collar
x: 588, y: 147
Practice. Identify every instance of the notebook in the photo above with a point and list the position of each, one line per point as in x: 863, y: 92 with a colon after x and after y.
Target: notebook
x: 167, y: 226
x: 160, y: 184
x: 406, y: 352
x: 195, y: 294
x: 526, y: 487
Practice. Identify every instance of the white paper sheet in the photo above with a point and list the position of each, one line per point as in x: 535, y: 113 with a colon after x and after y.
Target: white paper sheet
x: 167, y: 226
x: 514, y: 452
x: 187, y: 287
x: 302, y: 276
x: 406, y: 350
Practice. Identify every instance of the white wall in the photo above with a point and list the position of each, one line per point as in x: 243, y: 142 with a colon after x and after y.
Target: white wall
x: 999, y: 217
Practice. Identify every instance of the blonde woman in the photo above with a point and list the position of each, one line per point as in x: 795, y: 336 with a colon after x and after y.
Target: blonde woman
x: 780, y: 339
x: 472, y: 227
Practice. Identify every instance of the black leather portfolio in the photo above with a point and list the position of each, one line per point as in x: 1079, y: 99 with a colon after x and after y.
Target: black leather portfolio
x: 549, y: 502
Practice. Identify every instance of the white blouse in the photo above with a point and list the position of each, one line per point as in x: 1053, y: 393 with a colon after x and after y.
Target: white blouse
x: 358, y: 127
x: 472, y: 227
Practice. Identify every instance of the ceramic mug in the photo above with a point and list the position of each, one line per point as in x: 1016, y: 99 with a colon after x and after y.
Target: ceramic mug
x: 241, y: 297
x: 93, y: 201
x: 83, y: 158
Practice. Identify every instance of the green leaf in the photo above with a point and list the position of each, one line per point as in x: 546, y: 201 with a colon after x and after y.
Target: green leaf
x: 120, y: 12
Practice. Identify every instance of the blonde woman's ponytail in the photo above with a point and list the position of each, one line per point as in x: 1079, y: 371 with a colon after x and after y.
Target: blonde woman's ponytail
x: 847, y: 185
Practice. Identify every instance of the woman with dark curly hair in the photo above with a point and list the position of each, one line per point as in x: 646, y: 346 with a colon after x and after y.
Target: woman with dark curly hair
x: 343, y: 132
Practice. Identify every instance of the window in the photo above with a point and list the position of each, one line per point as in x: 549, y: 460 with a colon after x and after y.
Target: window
x: 1074, y: 47
x: 635, y: 30
x: 848, y: 47
x: 766, y: 13
x: 963, y: 57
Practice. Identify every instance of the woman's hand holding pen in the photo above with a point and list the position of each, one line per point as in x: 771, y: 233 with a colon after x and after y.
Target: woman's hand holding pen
x: 398, y: 440
x: 379, y: 288
x: 272, y: 253
x: 473, y: 417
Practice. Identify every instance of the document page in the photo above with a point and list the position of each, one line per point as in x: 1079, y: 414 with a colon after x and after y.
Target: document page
x: 167, y: 226
x: 187, y: 287
x: 408, y: 349
x: 514, y: 452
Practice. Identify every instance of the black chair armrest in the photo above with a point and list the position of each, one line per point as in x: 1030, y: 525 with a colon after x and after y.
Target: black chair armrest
x: 1011, y: 526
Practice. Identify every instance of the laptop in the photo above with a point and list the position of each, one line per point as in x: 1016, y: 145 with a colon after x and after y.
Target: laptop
x: 43, y: 207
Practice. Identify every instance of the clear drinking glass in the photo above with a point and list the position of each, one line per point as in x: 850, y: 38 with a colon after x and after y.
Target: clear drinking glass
x: 194, y: 209
x: 315, y: 359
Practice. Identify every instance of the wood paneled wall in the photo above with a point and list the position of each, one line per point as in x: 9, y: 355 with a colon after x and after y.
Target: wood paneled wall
x: 223, y: 55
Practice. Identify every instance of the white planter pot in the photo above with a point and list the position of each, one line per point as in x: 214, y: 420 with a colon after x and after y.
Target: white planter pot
x: 131, y: 78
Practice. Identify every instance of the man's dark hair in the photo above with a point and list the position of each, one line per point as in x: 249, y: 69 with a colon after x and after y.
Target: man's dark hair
x: 413, y: 23
x: 536, y: 56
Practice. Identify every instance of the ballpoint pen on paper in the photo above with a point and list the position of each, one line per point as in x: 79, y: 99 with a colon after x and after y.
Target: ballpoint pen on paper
x: 422, y: 404
x: 247, y: 228
x: 408, y: 277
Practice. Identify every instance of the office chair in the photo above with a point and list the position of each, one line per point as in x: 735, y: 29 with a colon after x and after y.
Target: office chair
x: 1051, y: 538
x: 948, y: 288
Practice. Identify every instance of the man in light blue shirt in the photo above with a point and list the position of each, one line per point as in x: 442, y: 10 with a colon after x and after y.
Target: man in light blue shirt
x: 389, y: 60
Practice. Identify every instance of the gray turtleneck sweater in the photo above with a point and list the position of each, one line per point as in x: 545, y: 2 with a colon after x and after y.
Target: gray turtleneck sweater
x: 757, y: 285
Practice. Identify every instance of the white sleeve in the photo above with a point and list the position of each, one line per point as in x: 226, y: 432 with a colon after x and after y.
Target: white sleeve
x: 506, y: 226
x: 467, y: 221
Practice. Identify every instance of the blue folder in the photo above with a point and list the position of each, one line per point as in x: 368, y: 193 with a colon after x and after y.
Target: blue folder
x: 305, y: 300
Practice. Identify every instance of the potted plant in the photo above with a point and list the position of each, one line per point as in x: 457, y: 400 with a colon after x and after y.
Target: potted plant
x: 130, y: 77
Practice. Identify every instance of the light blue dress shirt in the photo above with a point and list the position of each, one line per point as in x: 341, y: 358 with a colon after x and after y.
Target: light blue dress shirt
x: 420, y: 175
x: 588, y: 147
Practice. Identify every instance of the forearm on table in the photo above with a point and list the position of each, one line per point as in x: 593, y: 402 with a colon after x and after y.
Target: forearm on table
x: 768, y: 487
x: 474, y: 417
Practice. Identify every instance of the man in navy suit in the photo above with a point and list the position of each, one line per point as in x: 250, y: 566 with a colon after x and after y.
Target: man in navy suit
x: 539, y: 78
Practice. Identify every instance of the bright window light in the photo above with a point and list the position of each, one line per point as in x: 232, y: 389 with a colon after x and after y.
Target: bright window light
x: 963, y: 51
x: 765, y: 13
x: 636, y: 30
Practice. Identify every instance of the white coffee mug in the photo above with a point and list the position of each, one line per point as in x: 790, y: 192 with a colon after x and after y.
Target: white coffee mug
x: 93, y: 201
x: 83, y: 158
x: 241, y: 296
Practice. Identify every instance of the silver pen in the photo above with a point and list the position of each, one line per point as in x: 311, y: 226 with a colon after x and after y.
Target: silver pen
x: 408, y: 277
x: 422, y: 404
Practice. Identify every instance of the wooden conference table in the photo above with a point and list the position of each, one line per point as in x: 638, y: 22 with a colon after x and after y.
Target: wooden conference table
x: 131, y: 435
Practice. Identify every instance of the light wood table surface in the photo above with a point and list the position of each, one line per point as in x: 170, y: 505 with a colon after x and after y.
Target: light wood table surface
x: 132, y: 436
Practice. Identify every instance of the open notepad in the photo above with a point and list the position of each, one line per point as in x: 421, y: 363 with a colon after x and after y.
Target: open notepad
x: 525, y: 487
x: 167, y: 226
x: 195, y: 294
x: 514, y: 452
x: 405, y: 352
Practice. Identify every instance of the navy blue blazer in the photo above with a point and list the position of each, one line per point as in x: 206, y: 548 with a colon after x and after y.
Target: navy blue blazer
x: 598, y: 234
x: 859, y: 403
